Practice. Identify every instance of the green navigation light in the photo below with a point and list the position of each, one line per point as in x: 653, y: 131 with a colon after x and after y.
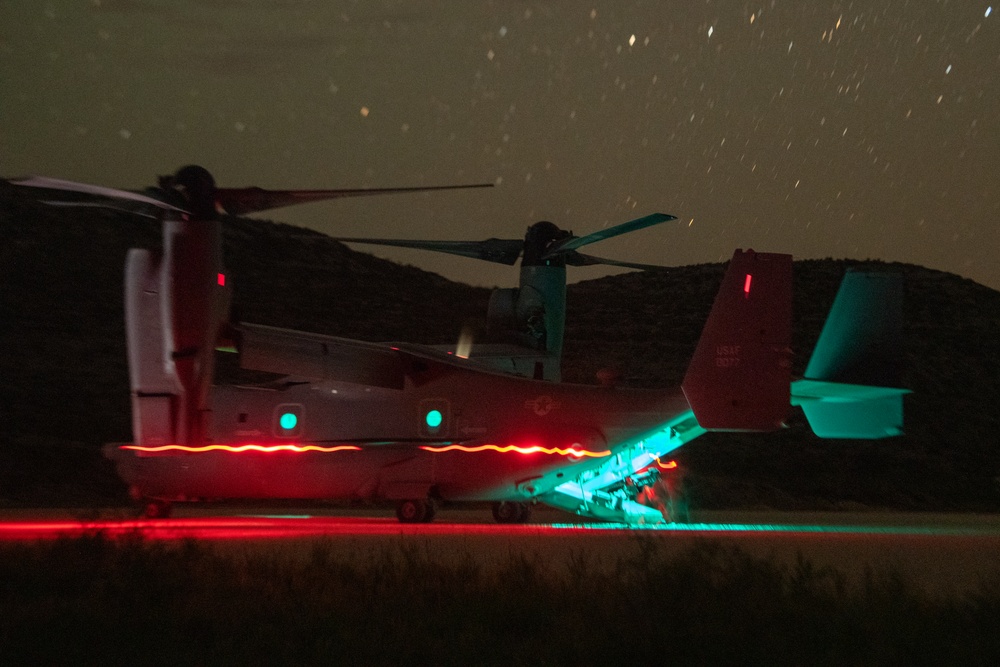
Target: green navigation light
x: 433, y: 418
x: 288, y: 421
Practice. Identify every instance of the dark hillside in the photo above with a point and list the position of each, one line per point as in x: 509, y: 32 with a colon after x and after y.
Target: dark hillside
x: 63, y: 379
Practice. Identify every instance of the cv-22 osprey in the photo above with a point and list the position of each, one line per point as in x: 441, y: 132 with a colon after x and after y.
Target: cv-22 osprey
x: 422, y: 426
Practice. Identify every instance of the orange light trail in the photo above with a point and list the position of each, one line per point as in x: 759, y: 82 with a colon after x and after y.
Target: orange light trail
x: 535, y: 449
x: 236, y: 449
x: 669, y: 465
x: 298, y: 449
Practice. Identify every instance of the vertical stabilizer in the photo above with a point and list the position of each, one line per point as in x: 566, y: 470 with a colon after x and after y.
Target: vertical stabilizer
x: 860, y: 340
x: 740, y: 373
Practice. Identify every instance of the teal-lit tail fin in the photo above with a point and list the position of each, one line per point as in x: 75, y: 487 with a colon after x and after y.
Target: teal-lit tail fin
x: 739, y: 376
x: 851, y: 386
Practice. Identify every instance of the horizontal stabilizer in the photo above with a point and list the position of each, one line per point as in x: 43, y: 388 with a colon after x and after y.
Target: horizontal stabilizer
x: 739, y: 376
x: 837, y: 410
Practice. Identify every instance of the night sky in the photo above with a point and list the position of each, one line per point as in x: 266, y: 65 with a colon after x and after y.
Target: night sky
x: 858, y: 129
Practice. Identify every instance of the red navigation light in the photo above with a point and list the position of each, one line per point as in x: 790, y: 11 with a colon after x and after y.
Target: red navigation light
x: 222, y: 279
x: 746, y: 285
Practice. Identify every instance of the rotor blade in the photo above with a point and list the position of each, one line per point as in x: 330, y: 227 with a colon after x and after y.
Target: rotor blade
x: 240, y: 201
x: 60, y: 185
x: 501, y: 251
x: 574, y: 242
x: 106, y: 205
x: 574, y: 258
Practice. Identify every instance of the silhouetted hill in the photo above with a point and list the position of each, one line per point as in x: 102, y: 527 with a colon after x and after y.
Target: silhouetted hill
x: 64, y: 390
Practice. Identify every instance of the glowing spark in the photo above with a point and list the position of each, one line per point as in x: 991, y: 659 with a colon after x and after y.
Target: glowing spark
x: 631, y: 40
x: 236, y: 449
x: 711, y: 29
x: 568, y: 451
x: 989, y: 10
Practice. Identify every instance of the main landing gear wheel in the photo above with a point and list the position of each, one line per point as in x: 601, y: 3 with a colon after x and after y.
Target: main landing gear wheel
x: 156, y: 509
x: 415, y: 511
x: 511, y: 512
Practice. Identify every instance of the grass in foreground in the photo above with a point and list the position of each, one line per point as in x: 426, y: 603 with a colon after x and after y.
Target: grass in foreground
x: 92, y: 599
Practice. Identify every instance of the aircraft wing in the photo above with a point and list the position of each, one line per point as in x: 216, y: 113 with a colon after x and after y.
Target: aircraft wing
x: 309, y: 355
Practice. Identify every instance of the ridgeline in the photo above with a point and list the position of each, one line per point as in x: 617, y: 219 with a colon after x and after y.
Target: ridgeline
x: 64, y: 380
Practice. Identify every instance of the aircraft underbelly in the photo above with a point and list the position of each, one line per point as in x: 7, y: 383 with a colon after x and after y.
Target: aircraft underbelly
x: 217, y: 475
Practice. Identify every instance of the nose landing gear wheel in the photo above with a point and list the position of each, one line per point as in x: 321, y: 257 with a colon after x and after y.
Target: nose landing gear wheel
x: 415, y: 511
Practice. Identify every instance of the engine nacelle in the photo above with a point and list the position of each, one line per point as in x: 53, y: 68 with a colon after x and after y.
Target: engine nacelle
x: 175, y: 307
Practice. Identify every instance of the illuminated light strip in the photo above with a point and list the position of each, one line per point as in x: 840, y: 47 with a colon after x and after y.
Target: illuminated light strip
x: 746, y: 285
x: 669, y: 465
x: 831, y: 529
x: 535, y: 449
x: 236, y: 449
x: 233, y: 528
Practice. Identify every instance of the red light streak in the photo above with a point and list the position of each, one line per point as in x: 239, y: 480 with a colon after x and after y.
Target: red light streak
x: 222, y: 279
x: 746, y: 285
x: 237, y: 449
x: 535, y: 449
x: 222, y: 528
